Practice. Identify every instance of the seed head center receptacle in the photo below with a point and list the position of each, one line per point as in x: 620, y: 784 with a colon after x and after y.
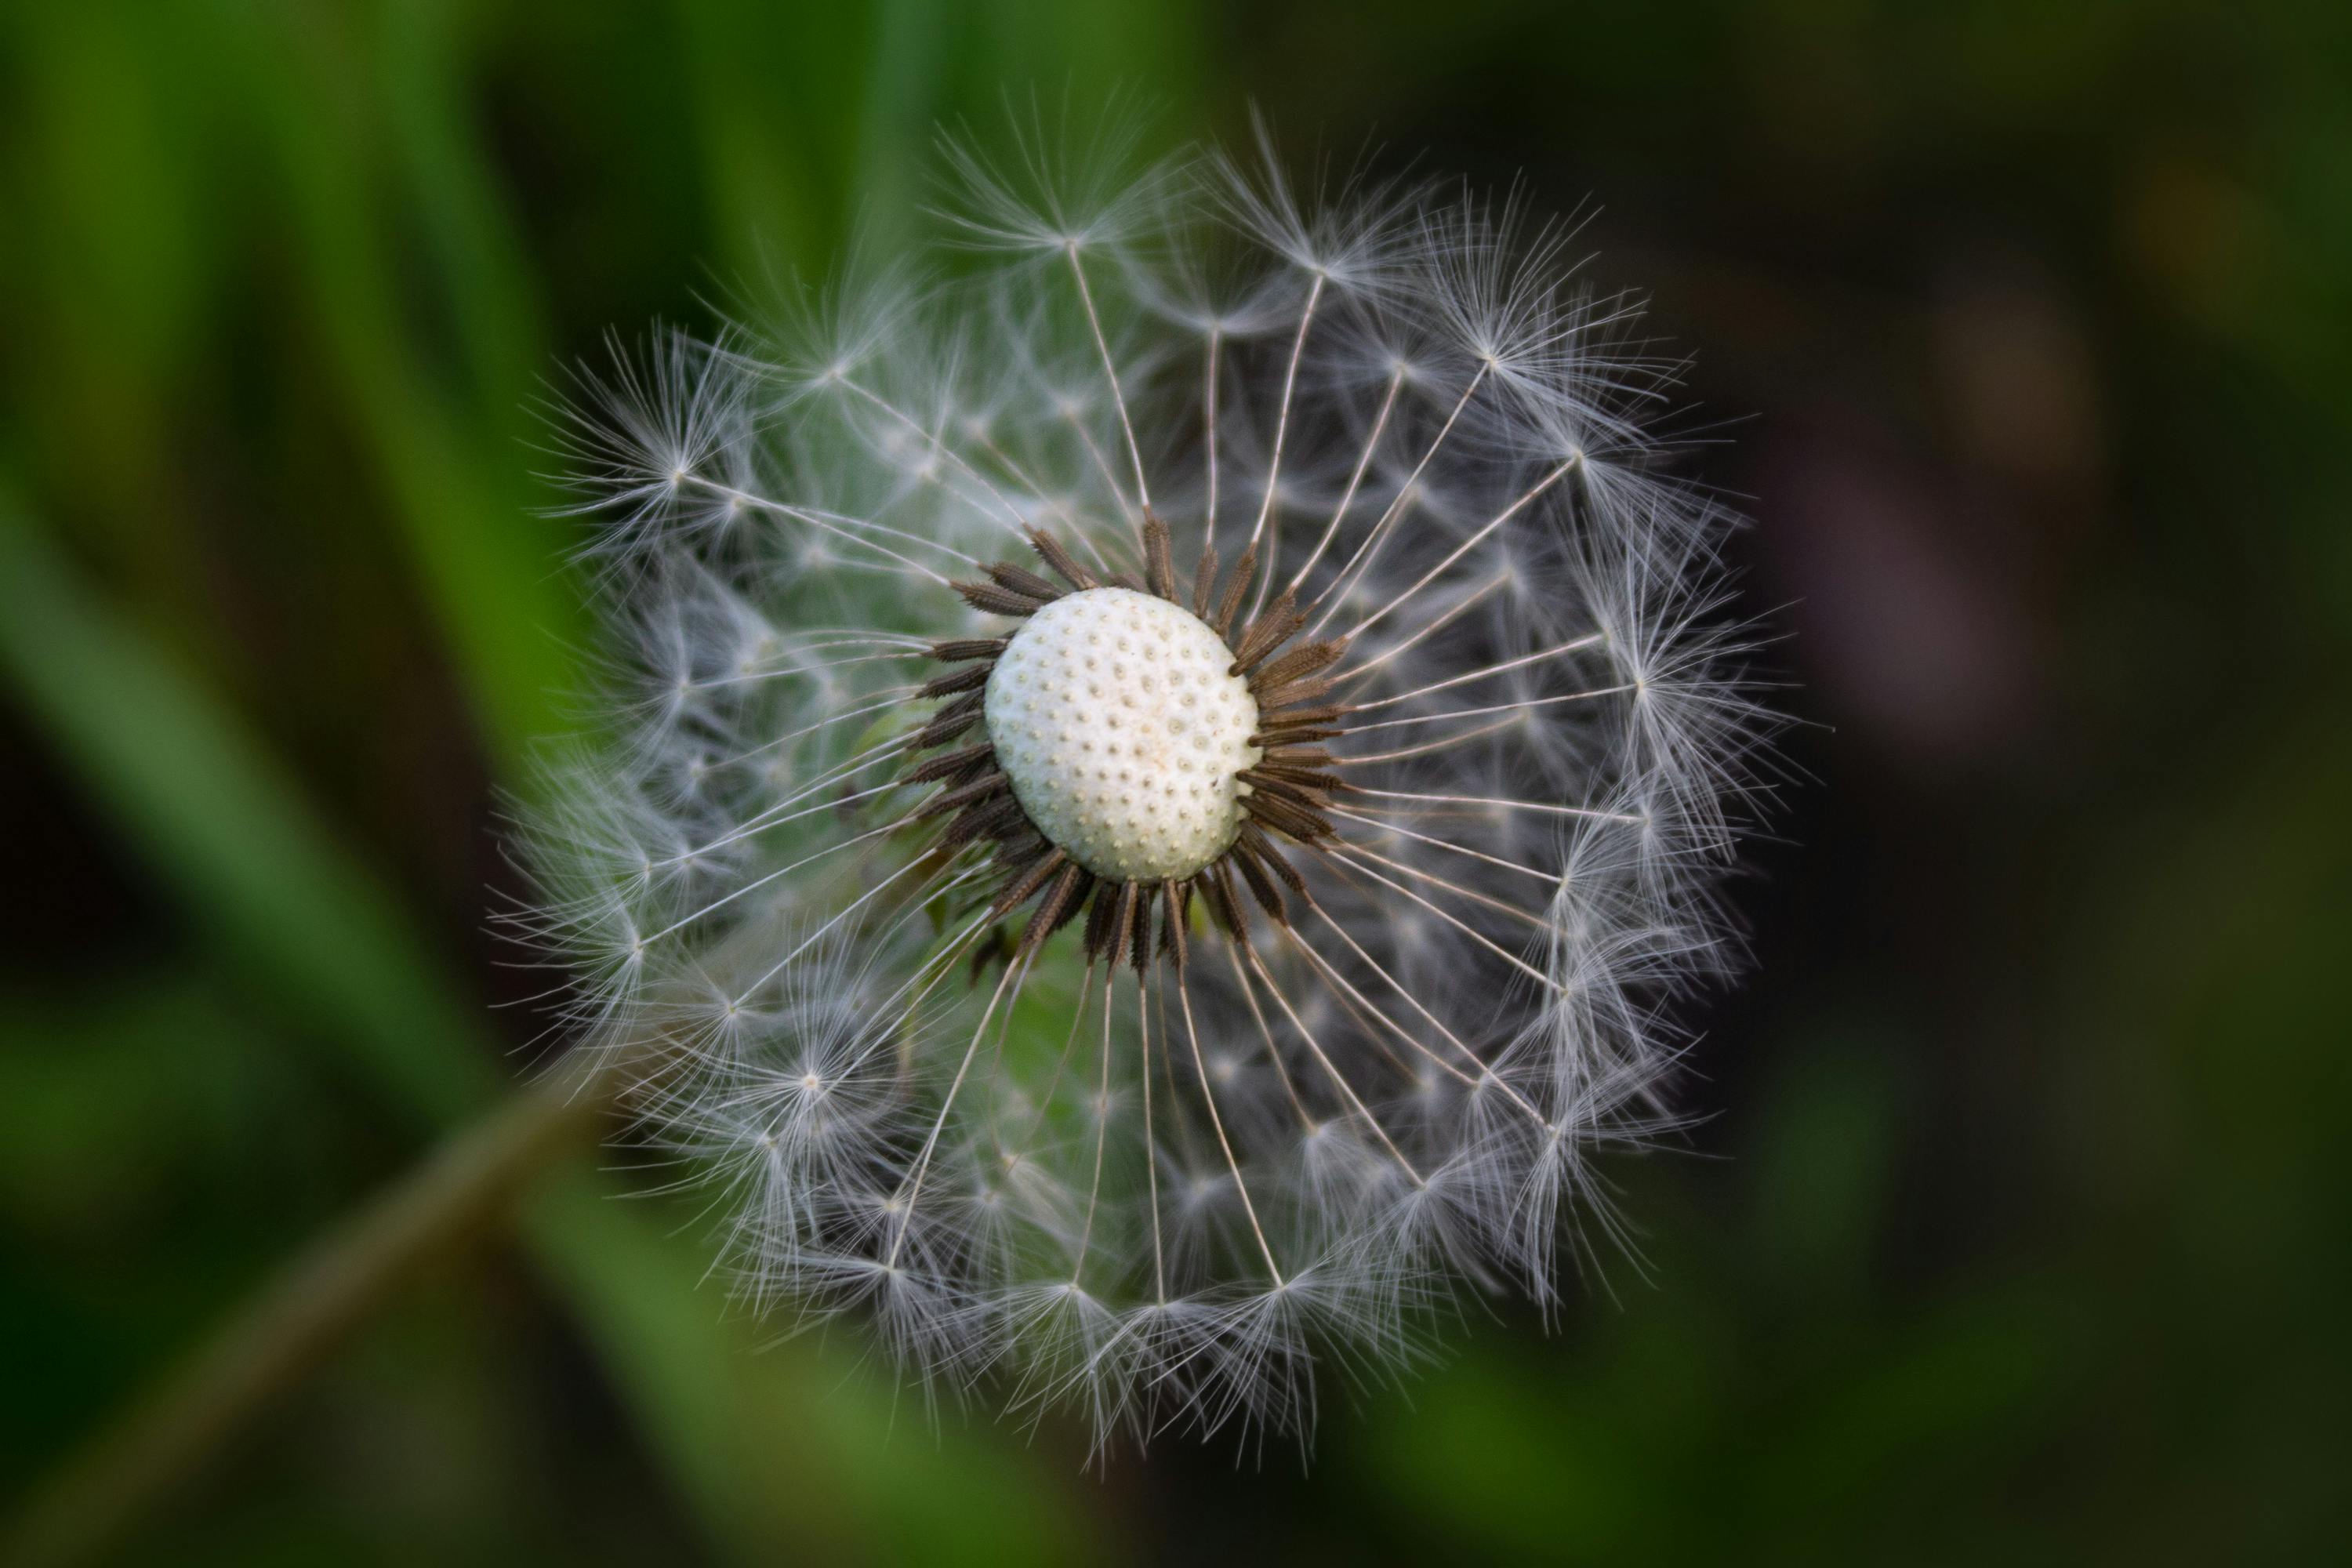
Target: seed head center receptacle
x: 1114, y: 716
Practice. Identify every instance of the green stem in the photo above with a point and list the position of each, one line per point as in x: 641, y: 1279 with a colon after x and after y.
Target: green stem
x: 296, y: 1321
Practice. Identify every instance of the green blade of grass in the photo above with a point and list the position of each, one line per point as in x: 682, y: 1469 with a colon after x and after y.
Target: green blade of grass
x: 450, y: 464
x: 774, y: 1449
x: 255, y: 868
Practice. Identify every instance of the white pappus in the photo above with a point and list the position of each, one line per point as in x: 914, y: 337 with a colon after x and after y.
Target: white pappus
x: 1155, y: 784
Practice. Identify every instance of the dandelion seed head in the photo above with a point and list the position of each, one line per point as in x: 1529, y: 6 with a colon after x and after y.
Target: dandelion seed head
x: 1119, y: 721
x: 1160, y: 791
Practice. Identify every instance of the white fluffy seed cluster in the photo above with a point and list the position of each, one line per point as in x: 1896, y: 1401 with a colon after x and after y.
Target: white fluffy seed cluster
x: 1160, y: 1198
x: 1112, y: 713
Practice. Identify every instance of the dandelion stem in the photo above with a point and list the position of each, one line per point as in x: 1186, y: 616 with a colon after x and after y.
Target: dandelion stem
x: 295, y: 1323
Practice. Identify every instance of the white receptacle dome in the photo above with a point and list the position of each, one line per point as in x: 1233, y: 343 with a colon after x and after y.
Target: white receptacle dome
x: 1112, y: 713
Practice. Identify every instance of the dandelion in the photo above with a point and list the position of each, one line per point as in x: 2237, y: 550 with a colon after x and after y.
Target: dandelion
x: 1156, y: 784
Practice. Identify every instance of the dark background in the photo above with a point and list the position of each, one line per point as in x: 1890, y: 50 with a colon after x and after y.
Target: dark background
x: 2019, y: 1230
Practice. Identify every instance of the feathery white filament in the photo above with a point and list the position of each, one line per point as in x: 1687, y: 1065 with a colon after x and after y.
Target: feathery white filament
x: 1115, y: 716
x: 1355, y: 961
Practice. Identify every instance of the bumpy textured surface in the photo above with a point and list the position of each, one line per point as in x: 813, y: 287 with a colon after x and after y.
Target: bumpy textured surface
x: 1112, y: 714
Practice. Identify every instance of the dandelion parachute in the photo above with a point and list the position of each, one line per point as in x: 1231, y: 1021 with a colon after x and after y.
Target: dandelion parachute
x: 1155, y: 788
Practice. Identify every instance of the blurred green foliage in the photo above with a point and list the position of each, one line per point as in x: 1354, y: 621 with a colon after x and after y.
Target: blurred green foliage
x: 2032, y: 1233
